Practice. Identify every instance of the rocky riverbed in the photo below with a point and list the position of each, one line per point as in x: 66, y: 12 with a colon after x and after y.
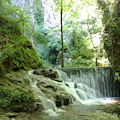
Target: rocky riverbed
x: 73, y: 112
x: 35, y: 96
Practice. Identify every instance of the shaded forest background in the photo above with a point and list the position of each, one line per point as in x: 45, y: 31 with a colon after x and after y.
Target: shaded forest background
x: 26, y: 42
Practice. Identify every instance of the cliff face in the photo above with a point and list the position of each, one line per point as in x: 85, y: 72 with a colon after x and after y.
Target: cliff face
x: 113, y: 52
x: 51, y: 18
x: 111, y: 33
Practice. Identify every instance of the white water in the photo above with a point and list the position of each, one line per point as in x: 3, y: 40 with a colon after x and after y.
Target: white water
x: 85, y: 87
x: 93, y: 86
x: 48, y: 104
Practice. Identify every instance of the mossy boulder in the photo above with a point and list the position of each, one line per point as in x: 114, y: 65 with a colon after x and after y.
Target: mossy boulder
x: 22, y: 56
x: 16, y: 94
x: 52, y: 74
x: 53, y: 90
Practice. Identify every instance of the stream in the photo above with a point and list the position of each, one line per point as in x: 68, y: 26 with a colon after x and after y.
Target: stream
x: 94, y: 96
x: 73, y: 112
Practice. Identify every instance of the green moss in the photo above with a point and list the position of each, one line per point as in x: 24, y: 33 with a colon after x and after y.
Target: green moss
x: 2, y: 69
x: 26, y: 81
x: 16, y: 100
x: 19, y: 53
x: 22, y: 56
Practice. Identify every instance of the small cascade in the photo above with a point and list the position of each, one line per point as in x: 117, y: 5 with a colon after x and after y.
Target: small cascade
x: 82, y: 85
x: 48, y: 104
x: 90, y: 83
x: 74, y: 97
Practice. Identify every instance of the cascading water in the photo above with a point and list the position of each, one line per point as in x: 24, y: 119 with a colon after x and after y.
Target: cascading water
x: 82, y: 85
x: 48, y: 104
x: 90, y: 83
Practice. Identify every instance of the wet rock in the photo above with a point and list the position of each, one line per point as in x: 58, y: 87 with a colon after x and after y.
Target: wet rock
x: 11, y: 115
x: 62, y: 99
x: 37, y: 72
x: 46, y: 86
x: 19, y: 83
x: 66, y: 84
x: 66, y: 101
x: 52, y: 74
x: 47, y: 73
x: 26, y: 80
x: 75, y: 85
x: 49, y: 86
x: 4, y: 118
x: 13, y: 119
x: 57, y: 79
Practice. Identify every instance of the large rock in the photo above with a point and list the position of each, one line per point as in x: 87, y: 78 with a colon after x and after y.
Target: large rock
x: 16, y: 94
x: 48, y: 73
x: 25, y: 97
x: 52, y: 90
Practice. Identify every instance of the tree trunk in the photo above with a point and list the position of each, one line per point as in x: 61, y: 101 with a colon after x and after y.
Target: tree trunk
x: 61, y: 20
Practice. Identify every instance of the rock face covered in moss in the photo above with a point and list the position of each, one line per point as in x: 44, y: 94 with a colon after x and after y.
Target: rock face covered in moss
x: 48, y: 73
x: 113, y: 52
x: 16, y: 50
x: 21, y: 56
x: 16, y: 94
x: 51, y: 85
x: 21, y: 92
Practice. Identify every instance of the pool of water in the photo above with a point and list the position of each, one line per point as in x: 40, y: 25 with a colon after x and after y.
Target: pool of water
x: 102, y: 101
x: 93, y: 109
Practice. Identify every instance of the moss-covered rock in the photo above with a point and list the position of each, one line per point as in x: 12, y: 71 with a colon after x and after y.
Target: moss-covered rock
x: 16, y: 94
x: 22, y: 56
x: 53, y: 91
x: 52, y: 74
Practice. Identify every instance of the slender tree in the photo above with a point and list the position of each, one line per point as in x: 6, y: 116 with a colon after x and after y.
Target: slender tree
x: 61, y: 21
x: 71, y: 7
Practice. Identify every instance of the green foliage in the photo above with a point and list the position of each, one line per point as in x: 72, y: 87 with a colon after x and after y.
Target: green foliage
x: 23, y: 56
x: 40, y: 35
x: 13, y: 21
x: 16, y: 100
x: 77, y: 48
x: 39, y: 31
x: 39, y: 16
x: 111, y: 21
x: 117, y: 75
x: 19, y: 53
x: 2, y: 69
x: 52, y: 49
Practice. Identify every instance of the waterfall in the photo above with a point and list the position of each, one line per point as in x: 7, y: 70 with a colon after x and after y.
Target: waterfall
x: 90, y: 83
x: 48, y: 104
x: 82, y: 85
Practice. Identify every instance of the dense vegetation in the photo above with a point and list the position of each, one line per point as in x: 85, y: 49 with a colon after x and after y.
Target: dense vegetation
x: 16, y: 50
x: 26, y: 43
x: 111, y: 34
x: 78, y: 34
x: 77, y: 39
